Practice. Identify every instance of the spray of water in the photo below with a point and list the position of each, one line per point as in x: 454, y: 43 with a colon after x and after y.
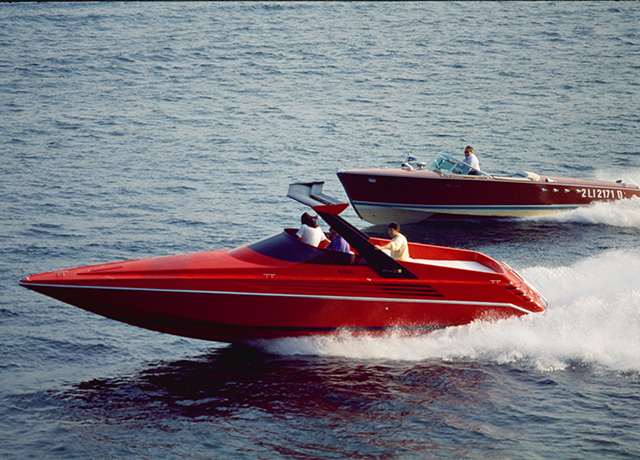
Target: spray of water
x: 593, y: 320
x: 629, y: 175
x: 623, y: 213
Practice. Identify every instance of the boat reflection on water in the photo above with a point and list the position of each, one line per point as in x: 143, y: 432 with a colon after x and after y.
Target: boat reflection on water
x: 295, y: 401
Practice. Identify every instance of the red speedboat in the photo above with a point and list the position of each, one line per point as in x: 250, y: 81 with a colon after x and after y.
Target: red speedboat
x: 282, y: 287
x: 449, y: 187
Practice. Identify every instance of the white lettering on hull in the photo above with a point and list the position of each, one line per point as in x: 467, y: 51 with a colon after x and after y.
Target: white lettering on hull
x: 602, y: 194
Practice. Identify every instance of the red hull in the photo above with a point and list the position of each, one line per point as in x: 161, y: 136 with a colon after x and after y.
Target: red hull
x: 383, y: 195
x: 241, y: 295
x: 281, y: 287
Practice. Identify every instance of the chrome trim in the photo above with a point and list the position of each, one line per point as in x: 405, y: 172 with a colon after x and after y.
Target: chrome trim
x: 261, y: 294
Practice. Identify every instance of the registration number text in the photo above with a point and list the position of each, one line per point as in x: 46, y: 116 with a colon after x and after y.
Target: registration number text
x: 602, y: 193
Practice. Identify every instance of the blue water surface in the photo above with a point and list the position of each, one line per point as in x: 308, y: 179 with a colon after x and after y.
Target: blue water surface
x: 134, y: 130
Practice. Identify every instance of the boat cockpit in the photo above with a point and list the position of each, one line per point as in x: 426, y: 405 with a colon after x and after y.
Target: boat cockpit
x: 285, y: 246
x: 446, y: 164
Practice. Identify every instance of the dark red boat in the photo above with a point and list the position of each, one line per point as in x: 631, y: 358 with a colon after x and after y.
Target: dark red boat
x: 281, y: 287
x: 449, y: 187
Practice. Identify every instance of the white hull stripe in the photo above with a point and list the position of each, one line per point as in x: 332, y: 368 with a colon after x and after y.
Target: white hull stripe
x: 433, y: 208
x: 299, y: 296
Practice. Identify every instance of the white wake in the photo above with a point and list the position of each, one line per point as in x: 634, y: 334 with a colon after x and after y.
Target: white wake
x: 593, y: 319
x: 622, y: 213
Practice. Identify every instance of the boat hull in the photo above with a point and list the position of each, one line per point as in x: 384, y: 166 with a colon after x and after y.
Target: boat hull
x: 231, y: 317
x: 240, y: 295
x: 380, y: 196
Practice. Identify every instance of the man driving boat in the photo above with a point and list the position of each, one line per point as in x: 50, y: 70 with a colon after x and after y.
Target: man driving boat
x: 470, y: 158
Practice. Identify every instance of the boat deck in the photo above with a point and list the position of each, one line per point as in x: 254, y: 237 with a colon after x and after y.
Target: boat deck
x: 458, y: 264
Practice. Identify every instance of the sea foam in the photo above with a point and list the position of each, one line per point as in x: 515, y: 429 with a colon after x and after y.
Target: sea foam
x: 622, y: 213
x: 593, y: 320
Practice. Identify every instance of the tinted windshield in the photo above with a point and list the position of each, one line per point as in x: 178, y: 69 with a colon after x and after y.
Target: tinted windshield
x: 286, y: 246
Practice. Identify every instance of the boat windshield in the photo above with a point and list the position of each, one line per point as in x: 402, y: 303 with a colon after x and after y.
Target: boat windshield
x: 448, y: 165
x: 286, y: 246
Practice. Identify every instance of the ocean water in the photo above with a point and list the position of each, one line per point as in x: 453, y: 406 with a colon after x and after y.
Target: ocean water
x: 134, y: 130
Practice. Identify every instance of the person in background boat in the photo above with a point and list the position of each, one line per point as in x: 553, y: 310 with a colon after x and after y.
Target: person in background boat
x: 471, y: 159
x: 338, y: 243
x: 310, y: 233
x: 398, y: 245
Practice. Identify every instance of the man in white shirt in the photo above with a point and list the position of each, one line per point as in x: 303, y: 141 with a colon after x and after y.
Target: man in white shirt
x: 310, y: 233
x: 470, y: 158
